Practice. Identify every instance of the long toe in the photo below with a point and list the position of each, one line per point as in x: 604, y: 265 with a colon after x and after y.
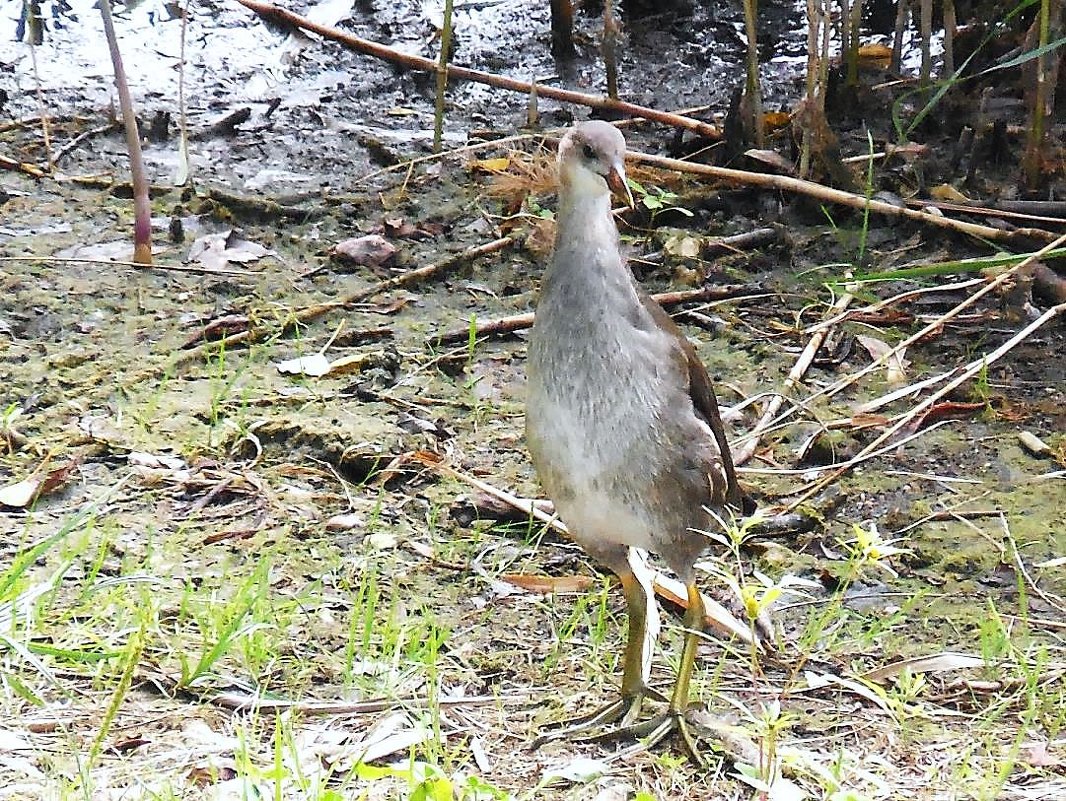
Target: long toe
x: 623, y: 712
x: 650, y: 733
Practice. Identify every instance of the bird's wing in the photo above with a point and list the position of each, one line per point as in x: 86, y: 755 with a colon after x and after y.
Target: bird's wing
x: 703, y: 401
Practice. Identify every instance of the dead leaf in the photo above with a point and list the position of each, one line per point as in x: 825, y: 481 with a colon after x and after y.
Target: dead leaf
x: 875, y: 56
x: 344, y: 522
x: 548, y: 585
x: 355, y: 362
x: 683, y: 247
x: 580, y: 770
x: 20, y: 494
x: 950, y: 409
x: 771, y: 158
x: 23, y: 493
x: 217, y: 251
x: 314, y: 365
x: 775, y: 120
x: 934, y: 663
x: 948, y: 193
x: 895, y: 373
x: 496, y: 165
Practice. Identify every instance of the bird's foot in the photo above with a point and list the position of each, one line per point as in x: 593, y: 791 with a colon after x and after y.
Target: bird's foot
x: 623, y: 711
x: 650, y: 733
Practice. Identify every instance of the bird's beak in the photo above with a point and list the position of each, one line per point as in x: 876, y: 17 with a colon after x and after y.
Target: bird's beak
x: 616, y: 179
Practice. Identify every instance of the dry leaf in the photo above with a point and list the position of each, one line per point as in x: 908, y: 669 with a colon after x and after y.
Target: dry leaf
x: 217, y: 251
x: 548, y: 584
x: 948, y: 193
x: 946, y: 660
x: 490, y: 165
x: 21, y: 494
x: 772, y: 158
x: 877, y: 348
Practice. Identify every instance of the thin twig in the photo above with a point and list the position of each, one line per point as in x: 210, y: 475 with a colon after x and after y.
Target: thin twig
x: 77, y: 140
x: 243, y: 701
x: 174, y: 268
x: 1020, y: 564
x: 751, y: 440
x: 827, y: 194
x: 309, y: 313
x: 936, y: 324
x: 967, y: 373
x: 520, y: 322
x: 901, y: 297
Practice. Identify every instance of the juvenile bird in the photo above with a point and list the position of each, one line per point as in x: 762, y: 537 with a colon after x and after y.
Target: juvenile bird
x: 621, y: 421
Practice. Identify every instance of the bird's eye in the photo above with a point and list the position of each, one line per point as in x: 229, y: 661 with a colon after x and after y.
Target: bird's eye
x: 588, y: 152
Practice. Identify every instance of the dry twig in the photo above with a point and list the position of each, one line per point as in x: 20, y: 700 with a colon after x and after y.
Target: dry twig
x: 827, y: 194
x: 968, y: 372
x: 519, y: 322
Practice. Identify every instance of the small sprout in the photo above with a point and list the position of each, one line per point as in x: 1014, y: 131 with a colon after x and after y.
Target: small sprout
x: 655, y: 199
x: 870, y: 549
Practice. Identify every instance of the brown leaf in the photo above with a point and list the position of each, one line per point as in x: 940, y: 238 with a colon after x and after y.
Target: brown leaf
x: 23, y: 493
x: 942, y: 411
x: 548, y: 585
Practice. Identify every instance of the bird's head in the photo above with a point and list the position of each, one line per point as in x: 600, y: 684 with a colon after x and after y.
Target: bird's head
x: 591, y: 159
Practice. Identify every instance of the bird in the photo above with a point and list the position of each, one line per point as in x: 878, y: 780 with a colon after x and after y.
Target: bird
x: 622, y: 424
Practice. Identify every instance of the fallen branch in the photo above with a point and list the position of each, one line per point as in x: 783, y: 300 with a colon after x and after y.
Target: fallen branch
x: 273, y: 13
x: 827, y: 194
x: 520, y: 322
x: 77, y: 140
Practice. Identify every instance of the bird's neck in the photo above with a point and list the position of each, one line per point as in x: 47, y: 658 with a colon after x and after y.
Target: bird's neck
x: 584, y: 213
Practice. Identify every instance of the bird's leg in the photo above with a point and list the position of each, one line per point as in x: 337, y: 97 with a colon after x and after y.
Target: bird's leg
x: 673, y: 720
x: 626, y: 709
x: 694, y: 622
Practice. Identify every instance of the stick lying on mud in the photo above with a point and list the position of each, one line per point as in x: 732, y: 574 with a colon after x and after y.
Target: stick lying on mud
x: 519, y: 322
x: 309, y: 313
x: 273, y: 13
x: 785, y: 183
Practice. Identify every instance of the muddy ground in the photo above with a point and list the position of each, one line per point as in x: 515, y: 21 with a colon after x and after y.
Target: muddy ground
x: 220, y: 533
